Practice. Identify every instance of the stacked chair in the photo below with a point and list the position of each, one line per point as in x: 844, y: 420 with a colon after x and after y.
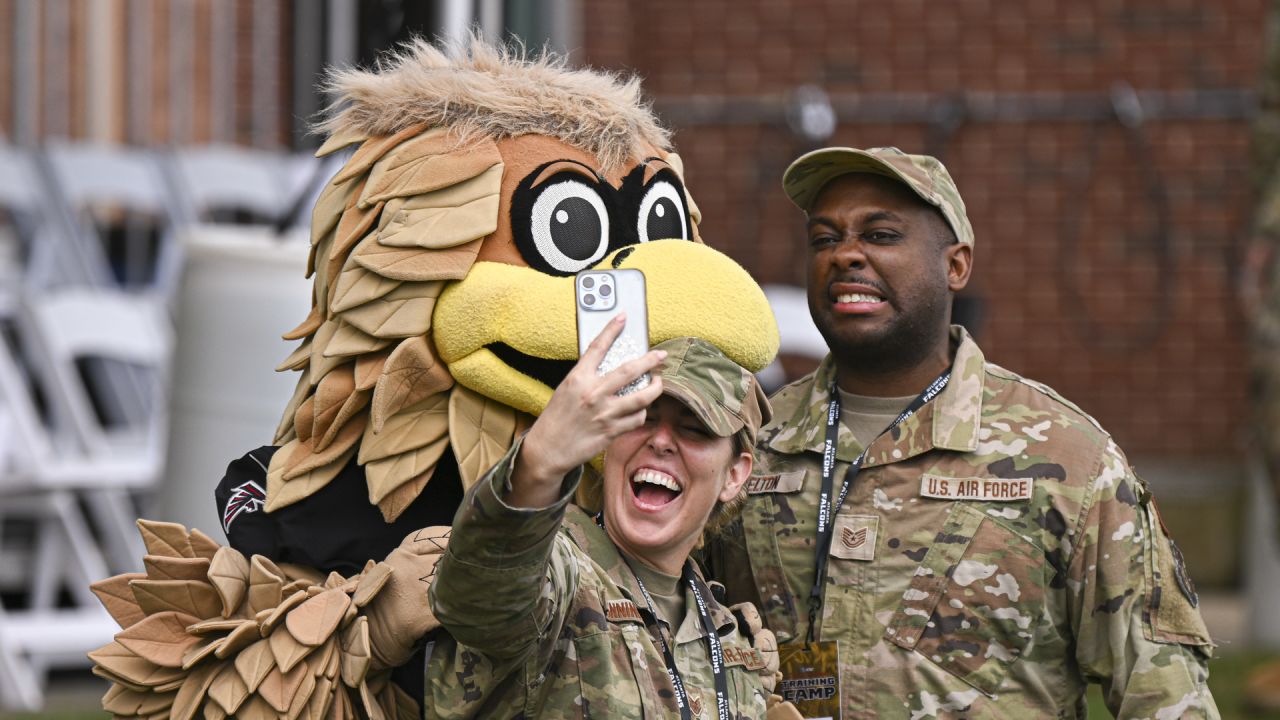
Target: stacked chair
x: 91, y: 261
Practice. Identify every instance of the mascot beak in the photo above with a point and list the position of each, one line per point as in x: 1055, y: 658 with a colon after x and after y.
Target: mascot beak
x: 509, y: 332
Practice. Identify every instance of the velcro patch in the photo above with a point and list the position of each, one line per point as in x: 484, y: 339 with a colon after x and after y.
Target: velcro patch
x: 622, y: 610
x: 775, y: 482
x: 984, y: 489
x: 750, y: 658
x: 855, y: 537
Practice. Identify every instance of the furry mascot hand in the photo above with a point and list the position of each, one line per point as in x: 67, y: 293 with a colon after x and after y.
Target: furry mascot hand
x: 400, y: 616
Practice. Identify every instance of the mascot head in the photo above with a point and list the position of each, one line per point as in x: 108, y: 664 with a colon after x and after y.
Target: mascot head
x: 443, y: 256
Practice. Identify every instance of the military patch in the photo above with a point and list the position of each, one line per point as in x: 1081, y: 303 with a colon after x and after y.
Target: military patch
x: 855, y: 537
x: 1187, y: 587
x: 982, y: 489
x: 695, y: 704
x: 775, y: 482
x: 621, y: 611
x: 749, y: 658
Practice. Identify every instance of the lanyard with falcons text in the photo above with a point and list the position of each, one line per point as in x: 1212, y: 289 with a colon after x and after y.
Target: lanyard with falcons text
x: 826, y: 510
x: 700, y: 593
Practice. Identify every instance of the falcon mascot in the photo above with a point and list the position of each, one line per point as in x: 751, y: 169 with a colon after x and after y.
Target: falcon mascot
x: 443, y: 255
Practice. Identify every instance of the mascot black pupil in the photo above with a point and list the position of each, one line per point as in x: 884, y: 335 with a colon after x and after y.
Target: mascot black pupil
x: 575, y: 228
x: 664, y: 221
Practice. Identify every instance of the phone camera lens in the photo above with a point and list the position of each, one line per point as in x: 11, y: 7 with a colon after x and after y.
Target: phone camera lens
x: 605, y: 290
x: 588, y: 283
x: 588, y: 299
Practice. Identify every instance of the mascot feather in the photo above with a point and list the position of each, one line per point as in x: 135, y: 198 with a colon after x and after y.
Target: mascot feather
x: 443, y: 255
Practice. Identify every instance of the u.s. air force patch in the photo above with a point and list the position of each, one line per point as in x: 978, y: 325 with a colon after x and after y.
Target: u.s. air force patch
x: 984, y: 489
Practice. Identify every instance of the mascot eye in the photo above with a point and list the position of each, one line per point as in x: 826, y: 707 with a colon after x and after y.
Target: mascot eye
x: 570, y: 226
x: 662, y: 213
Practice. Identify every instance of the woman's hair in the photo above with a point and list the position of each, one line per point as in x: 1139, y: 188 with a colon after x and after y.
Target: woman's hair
x: 725, y: 512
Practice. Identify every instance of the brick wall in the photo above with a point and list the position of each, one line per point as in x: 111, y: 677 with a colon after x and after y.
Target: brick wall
x: 1084, y: 282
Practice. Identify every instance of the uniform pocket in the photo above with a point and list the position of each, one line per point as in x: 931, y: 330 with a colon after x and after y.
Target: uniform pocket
x: 612, y: 685
x: 975, y: 601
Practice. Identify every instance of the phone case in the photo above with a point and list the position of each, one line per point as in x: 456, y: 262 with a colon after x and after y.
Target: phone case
x: 600, y: 295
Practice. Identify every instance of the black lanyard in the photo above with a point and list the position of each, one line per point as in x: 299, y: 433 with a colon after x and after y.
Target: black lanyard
x: 826, y: 511
x: 713, y: 641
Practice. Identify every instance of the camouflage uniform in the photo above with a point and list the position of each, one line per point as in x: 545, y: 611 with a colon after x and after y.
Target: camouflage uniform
x: 995, y: 608
x: 548, y: 623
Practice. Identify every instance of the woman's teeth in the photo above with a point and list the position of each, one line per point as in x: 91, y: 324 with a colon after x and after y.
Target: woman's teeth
x: 653, y: 477
x: 858, y: 298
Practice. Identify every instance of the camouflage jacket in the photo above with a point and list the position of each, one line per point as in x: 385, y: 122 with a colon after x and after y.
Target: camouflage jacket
x: 548, y: 622
x: 995, y: 554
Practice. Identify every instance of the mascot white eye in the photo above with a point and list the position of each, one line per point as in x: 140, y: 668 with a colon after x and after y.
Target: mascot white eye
x: 662, y: 214
x: 570, y: 226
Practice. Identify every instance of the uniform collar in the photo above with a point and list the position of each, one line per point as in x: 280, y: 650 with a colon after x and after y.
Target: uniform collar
x: 949, y: 422
x: 593, y: 540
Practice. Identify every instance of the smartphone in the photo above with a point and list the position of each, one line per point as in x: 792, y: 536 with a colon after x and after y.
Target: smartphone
x: 600, y: 296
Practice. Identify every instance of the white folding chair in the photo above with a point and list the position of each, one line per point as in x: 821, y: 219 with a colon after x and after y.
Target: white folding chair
x: 37, y: 483
x: 119, y: 183
x: 214, y: 178
x: 73, y: 324
x: 50, y: 258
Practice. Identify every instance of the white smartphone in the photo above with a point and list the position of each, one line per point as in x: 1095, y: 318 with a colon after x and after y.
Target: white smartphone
x: 602, y: 294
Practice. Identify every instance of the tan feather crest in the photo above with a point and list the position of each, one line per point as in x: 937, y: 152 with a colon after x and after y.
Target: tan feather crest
x: 350, y: 341
x: 413, y: 264
x: 412, y: 373
x: 481, y: 431
x: 358, y: 285
x: 402, y: 313
x: 415, y: 426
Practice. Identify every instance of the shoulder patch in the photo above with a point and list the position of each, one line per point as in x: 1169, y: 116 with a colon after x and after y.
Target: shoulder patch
x: 246, y: 497
x: 1171, y: 614
x: 775, y: 482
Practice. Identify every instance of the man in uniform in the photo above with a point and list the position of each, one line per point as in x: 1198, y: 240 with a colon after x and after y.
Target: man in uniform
x: 991, y: 551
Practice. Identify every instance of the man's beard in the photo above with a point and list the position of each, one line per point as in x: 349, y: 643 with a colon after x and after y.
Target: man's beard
x: 902, y: 345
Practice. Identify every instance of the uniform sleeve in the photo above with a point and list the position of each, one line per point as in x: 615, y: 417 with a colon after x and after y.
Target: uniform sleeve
x: 1133, y: 608
x: 505, y: 580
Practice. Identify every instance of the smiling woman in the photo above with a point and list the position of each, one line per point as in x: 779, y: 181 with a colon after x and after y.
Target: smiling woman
x: 607, y: 615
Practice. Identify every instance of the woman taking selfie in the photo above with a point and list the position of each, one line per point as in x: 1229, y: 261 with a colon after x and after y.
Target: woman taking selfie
x: 554, y: 612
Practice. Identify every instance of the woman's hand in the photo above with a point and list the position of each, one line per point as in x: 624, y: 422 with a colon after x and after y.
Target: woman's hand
x: 583, y: 416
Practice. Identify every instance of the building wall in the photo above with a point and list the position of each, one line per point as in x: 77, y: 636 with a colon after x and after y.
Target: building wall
x: 1085, y: 279
x: 146, y: 72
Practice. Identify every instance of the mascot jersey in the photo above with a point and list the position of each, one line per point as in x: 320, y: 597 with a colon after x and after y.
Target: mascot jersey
x: 443, y: 255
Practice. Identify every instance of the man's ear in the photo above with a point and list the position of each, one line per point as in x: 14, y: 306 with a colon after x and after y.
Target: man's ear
x: 739, y: 471
x: 959, y: 264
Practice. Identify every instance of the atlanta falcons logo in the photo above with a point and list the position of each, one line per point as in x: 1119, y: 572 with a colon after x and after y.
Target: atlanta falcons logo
x: 245, y: 498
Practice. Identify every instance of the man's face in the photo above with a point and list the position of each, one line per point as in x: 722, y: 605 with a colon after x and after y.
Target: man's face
x: 881, y: 268
x: 662, y: 480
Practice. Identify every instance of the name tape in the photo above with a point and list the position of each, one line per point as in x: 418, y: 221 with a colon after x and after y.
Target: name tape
x: 622, y: 610
x: 983, y: 489
x: 775, y: 482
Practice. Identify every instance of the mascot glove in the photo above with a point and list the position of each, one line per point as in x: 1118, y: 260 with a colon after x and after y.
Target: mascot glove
x: 400, y: 614
x: 762, y: 639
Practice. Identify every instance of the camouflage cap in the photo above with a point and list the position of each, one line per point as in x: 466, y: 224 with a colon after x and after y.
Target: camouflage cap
x: 925, y: 175
x: 725, y: 396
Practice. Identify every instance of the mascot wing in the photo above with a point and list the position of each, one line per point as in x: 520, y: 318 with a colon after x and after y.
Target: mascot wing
x: 209, y: 632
